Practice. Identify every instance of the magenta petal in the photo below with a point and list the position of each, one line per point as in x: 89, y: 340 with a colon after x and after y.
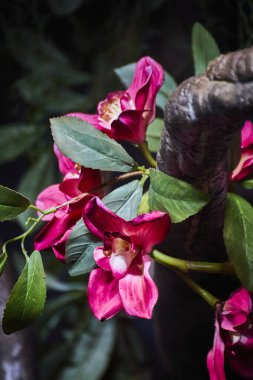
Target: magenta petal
x: 101, y: 260
x: 99, y: 219
x: 59, y: 248
x: 66, y: 165
x: 138, y: 291
x: 90, y: 179
x: 130, y: 126
x: 245, y: 165
x: 215, y: 358
x: 69, y: 185
x: 247, y: 134
x: 148, y: 230
x: 103, y: 294
x: 51, y: 197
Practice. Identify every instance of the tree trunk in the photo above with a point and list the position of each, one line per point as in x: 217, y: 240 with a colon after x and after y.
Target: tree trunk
x: 203, y: 118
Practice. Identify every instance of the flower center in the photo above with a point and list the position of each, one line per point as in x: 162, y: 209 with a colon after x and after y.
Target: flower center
x: 110, y: 108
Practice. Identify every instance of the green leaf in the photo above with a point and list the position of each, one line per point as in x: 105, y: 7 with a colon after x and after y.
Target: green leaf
x: 153, y: 135
x: 248, y: 184
x: 178, y: 198
x: 238, y: 237
x: 204, y: 48
x: 89, y: 147
x: 11, y: 203
x: 144, y: 206
x: 124, y: 201
x: 37, y: 178
x: 16, y: 139
x: 27, y: 299
x: 166, y: 90
x: 91, y: 355
x: 126, y: 73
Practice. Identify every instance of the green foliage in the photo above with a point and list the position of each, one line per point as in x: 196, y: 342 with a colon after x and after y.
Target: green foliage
x: 204, y: 48
x: 16, y: 139
x: 81, y: 243
x: 166, y: 90
x: 144, y: 206
x: 90, y: 356
x: 153, y: 135
x: 27, y: 299
x: 126, y: 73
x: 37, y: 178
x: 89, y: 147
x: 3, y: 261
x: 178, y: 198
x: 247, y: 184
x: 11, y: 203
x: 238, y: 237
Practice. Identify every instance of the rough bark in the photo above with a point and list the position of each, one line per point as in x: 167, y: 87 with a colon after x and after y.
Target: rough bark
x: 202, y: 119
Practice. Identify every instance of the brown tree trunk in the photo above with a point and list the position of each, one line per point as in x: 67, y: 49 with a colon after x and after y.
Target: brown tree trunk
x: 202, y: 119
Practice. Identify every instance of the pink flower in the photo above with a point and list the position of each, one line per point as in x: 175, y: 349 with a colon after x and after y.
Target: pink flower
x: 233, y: 340
x: 77, y: 180
x: 122, y: 279
x: 245, y: 165
x: 125, y: 115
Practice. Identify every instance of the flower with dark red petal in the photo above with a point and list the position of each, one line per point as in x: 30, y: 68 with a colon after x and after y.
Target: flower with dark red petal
x: 125, y: 115
x: 245, y: 165
x: 122, y: 279
x: 233, y: 340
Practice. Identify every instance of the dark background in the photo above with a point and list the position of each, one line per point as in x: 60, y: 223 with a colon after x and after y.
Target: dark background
x: 58, y: 56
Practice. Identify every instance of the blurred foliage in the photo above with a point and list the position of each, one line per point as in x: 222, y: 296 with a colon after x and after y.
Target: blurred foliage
x: 59, y: 56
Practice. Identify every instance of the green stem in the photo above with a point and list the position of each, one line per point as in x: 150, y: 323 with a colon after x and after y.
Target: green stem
x: 208, y: 297
x: 194, y: 266
x: 146, y: 153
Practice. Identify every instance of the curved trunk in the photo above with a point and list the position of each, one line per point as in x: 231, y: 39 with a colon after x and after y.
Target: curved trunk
x: 203, y: 118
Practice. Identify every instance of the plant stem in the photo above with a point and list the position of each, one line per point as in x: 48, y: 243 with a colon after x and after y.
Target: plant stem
x: 146, y: 153
x: 194, y: 266
x: 208, y: 297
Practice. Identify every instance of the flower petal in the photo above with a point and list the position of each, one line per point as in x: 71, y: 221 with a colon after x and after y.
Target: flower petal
x: 130, y: 126
x: 90, y: 179
x: 101, y: 260
x: 59, y: 248
x: 103, y: 294
x: 51, y: 196
x: 247, y: 134
x: 138, y: 291
x: 148, y: 229
x: 215, y: 357
x: 69, y: 185
x: 99, y: 219
x: 245, y: 165
x: 66, y: 165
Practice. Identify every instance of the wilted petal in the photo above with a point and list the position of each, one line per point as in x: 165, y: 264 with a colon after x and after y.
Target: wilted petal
x: 236, y: 310
x: 101, y: 260
x: 51, y: 197
x: 247, y: 134
x: 103, y: 294
x: 148, y: 230
x: 138, y: 291
x: 100, y: 219
x: 66, y: 165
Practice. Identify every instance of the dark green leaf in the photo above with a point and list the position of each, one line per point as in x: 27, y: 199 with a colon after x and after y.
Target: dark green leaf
x: 166, y: 90
x: 154, y: 134
x: 37, y: 178
x: 124, y: 201
x: 126, y: 73
x: 16, y: 139
x: 178, y: 198
x: 27, y: 299
x: 204, y: 48
x: 248, y: 184
x: 92, y: 353
x: 144, y: 206
x: 89, y: 147
x: 11, y: 203
x: 238, y: 237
